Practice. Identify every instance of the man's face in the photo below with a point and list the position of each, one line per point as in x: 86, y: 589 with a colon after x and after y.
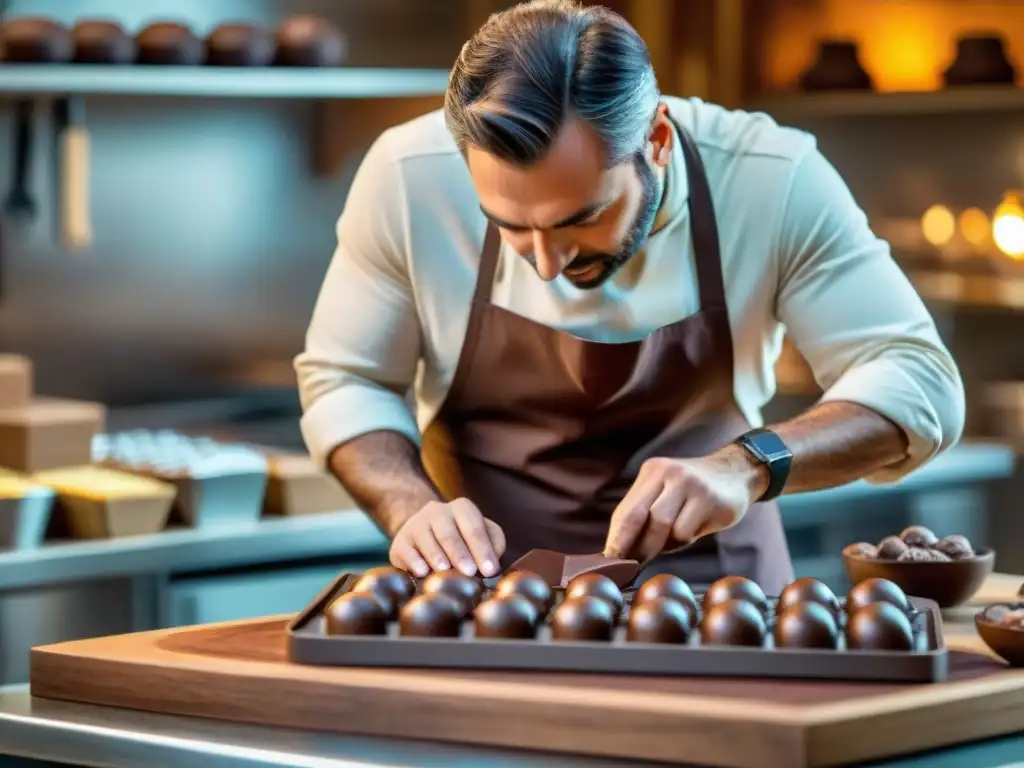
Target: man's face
x: 569, y: 214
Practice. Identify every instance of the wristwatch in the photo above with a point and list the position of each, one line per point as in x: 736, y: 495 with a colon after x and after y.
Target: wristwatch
x: 768, y: 448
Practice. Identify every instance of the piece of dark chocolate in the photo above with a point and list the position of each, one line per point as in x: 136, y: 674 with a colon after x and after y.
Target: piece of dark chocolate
x: 806, y: 625
x: 463, y: 589
x: 392, y: 586
x: 861, y: 549
x: 891, y: 547
x: 356, y: 613
x: 876, y: 590
x: 919, y: 536
x: 879, y: 627
x: 596, y: 585
x: 667, y: 585
x: 735, y: 588
x: 956, y: 547
x: 529, y: 585
x: 506, y: 618
x: 659, y: 620
x: 584, y: 618
x: 434, y: 615
x: 733, y: 622
x: 808, y: 590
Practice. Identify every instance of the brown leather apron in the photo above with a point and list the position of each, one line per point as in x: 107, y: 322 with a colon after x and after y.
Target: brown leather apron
x: 545, y: 432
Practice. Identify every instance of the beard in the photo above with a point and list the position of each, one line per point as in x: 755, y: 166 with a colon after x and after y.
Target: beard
x: 637, y: 234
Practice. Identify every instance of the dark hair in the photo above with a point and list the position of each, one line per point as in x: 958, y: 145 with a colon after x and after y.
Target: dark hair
x: 535, y: 65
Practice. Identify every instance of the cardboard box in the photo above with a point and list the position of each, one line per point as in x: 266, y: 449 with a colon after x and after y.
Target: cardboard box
x: 15, y: 381
x: 48, y: 434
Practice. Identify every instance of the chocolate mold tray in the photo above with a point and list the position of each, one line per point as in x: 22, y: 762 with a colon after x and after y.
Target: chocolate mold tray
x: 308, y: 643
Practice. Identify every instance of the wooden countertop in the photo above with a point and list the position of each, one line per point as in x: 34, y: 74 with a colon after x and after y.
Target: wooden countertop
x: 240, y: 671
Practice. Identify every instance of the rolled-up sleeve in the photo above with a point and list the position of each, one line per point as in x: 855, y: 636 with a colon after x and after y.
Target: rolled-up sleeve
x: 362, y: 346
x: 857, y: 320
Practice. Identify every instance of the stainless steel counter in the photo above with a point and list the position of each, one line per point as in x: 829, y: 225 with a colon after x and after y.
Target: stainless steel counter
x: 73, y: 734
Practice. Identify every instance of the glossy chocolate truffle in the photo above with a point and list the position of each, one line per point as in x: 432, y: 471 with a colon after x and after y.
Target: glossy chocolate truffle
x: 528, y: 585
x: 956, y: 547
x: 922, y: 555
x: 879, y: 627
x: 808, y: 590
x: 596, y: 585
x: 356, y: 613
x: 392, y: 586
x: 430, y: 616
x: 735, y: 588
x: 464, y: 590
x: 891, y: 547
x: 659, y: 620
x: 583, y: 618
x: 734, y: 622
x: 806, y: 625
x: 667, y: 585
x: 508, y: 617
x: 872, y: 591
x: 918, y: 536
x: 861, y: 549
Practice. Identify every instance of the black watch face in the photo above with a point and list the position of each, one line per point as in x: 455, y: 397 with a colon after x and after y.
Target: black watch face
x: 770, y: 445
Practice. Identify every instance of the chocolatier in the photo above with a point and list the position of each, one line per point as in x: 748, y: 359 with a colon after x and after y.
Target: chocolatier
x: 553, y: 312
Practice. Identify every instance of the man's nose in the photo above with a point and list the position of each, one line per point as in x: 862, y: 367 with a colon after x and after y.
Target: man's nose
x: 550, y: 256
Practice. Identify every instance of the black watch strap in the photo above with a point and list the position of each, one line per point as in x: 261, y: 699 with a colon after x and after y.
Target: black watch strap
x: 768, y: 448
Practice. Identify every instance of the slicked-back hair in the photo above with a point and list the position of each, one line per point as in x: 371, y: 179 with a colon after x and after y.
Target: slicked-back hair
x: 535, y: 66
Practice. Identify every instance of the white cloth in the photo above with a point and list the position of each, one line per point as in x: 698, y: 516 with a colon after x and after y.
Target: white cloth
x: 799, y: 259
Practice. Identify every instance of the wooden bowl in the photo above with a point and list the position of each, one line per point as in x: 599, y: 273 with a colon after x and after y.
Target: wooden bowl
x: 948, y: 584
x: 1006, y: 642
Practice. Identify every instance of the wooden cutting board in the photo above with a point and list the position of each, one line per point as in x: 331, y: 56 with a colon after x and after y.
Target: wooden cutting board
x: 239, y: 671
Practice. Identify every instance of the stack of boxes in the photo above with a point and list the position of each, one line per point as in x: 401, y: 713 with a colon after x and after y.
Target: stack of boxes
x: 45, y: 460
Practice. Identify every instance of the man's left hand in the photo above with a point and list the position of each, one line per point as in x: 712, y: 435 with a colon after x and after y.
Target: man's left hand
x: 675, y: 501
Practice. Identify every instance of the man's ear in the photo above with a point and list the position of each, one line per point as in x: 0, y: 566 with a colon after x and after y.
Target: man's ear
x: 661, y: 137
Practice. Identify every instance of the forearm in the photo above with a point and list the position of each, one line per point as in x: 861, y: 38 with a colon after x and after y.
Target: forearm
x: 833, y: 443
x: 383, y: 472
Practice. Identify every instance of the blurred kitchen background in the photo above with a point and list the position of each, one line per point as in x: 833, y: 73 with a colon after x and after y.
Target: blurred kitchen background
x: 178, y: 290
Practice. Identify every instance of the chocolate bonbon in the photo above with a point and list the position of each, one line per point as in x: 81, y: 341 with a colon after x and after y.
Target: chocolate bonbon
x: 806, y: 625
x: 879, y: 627
x: 596, y: 585
x: 356, y: 613
x: 506, y: 618
x: 659, y: 620
x: 808, y: 590
x: 919, y: 536
x: 733, y: 622
x: 392, y: 586
x: 464, y: 590
x: 956, y: 547
x: 434, y: 615
x: 735, y: 588
x: 670, y: 586
x: 916, y: 544
x: 529, y: 585
x: 872, y: 591
x: 583, y: 618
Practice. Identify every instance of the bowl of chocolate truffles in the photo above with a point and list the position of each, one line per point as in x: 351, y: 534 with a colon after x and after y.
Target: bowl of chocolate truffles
x: 947, y: 570
x: 1001, y: 627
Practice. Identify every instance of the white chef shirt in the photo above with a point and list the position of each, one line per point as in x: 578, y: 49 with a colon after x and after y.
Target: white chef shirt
x: 798, y: 259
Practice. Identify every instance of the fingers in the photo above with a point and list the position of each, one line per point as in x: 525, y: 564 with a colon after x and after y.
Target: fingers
x: 660, y: 519
x: 447, y: 533
x: 630, y: 515
x: 472, y: 530
x: 404, y: 555
x: 497, y: 537
x: 690, y: 522
x: 424, y: 539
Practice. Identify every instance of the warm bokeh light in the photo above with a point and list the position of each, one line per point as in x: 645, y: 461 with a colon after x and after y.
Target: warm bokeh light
x: 974, y: 226
x: 1008, y: 225
x: 938, y: 225
x: 904, y: 44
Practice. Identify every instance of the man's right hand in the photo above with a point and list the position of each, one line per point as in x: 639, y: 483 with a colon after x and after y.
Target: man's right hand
x: 442, y: 535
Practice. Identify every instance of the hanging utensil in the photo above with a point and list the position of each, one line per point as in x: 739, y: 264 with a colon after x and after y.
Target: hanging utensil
x: 74, y: 215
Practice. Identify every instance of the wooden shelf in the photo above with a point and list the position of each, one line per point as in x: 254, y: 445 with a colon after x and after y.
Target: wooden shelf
x: 274, y: 83
x: 810, y: 105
